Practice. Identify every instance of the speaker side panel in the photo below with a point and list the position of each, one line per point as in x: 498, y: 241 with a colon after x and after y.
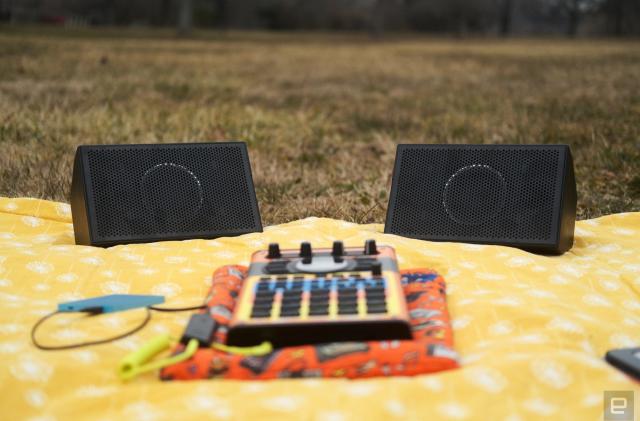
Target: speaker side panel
x: 257, y: 219
x: 79, y: 212
x: 395, y: 179
x: 569, y: 205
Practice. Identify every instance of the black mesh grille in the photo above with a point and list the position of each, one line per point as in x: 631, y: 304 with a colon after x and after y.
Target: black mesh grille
x: 486, y: 193
x: 165, y: 190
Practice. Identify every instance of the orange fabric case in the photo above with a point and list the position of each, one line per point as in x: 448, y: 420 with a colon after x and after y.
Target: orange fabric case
x: 431, y: 349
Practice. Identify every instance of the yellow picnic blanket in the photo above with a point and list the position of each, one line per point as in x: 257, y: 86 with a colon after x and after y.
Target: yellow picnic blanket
x: 531, y: 330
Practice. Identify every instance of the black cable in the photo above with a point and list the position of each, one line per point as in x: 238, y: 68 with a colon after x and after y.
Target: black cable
x: 200, y: 307
x: 98, y: 310
x: 82, y: 344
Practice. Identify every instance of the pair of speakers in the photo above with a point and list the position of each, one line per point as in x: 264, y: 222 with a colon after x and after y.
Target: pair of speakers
x: 519, y: 195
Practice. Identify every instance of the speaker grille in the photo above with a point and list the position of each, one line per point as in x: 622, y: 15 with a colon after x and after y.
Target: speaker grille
x: 171, y: 190
x: 487, y: 193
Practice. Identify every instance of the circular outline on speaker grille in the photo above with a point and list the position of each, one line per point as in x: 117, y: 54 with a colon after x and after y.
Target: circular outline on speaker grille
x: 457, y: 173
x: 174, y: 165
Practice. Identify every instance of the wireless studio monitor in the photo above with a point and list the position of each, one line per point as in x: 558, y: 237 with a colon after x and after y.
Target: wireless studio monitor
x: 153, y: 192
x: 515, y: 195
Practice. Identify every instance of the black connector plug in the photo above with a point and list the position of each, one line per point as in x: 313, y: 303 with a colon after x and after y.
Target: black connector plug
x: 93, y: 310
x: 201, y: 327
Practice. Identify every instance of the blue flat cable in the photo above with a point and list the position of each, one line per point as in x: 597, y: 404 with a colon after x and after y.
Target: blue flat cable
x: 111, y: 303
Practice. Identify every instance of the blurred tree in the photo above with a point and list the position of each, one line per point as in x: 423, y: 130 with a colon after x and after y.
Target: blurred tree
x: 279, y: 14
x: 623, y: 16
x: 185, y: 17
x: 573, y: 11
x: 385, y: 15
x: 221, y: 13
x: 506, y: 15
x: 165, y: 12
x: 456, y: 16
x: 615, y: 9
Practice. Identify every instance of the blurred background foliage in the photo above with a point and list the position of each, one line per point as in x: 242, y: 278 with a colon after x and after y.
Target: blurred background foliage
x: 459, y: 17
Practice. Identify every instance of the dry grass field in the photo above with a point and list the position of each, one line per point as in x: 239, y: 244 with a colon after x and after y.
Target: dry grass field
x: 321, y: 113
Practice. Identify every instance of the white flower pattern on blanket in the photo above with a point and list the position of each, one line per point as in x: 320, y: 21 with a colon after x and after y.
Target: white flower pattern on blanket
x: 531, y: 330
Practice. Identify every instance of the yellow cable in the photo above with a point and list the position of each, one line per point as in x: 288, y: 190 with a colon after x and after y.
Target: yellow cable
x: 134, y: 363
x: 137, y: 362
x: 249, y: 351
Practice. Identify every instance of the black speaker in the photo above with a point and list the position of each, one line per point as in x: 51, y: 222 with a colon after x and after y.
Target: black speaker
x: 515, y: 195
x: 142, y: 193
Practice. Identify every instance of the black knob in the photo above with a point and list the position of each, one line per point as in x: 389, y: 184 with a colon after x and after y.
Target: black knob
x: 338, y: 248
x: 338, y: 251
x: 305, y: 252
x: 370, y: 247
x: 376, y: 268
x: 274, y: 251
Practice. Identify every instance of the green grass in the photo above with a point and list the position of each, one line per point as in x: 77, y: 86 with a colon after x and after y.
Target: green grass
x: 321, y: 113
